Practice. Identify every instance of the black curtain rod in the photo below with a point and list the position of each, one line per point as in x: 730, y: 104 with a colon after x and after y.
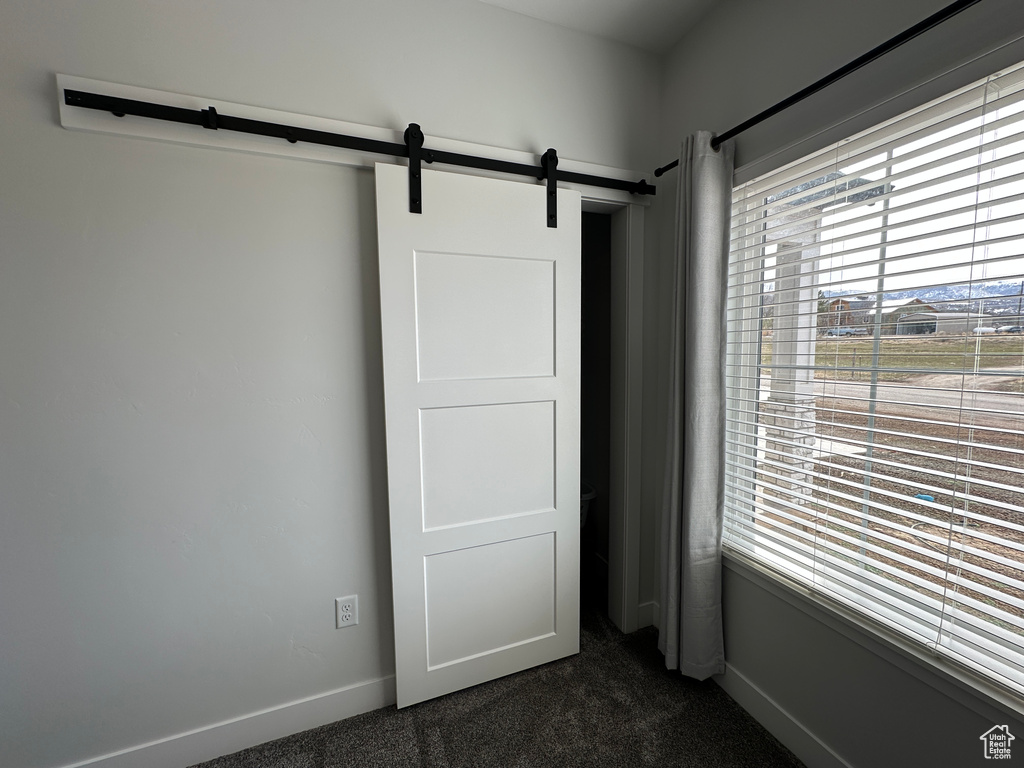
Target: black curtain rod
x: 891, y: 44
x: 210, y: 118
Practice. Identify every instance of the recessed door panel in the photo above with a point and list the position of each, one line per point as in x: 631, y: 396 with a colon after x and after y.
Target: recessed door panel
x: 509, y: 601
x: 498, y: 323
x: 487, y: 461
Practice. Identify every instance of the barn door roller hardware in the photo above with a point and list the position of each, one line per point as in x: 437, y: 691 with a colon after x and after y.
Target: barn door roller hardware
x: 412, y: 149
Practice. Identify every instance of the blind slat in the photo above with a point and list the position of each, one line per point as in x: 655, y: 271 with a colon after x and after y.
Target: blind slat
x: 1008, y: 529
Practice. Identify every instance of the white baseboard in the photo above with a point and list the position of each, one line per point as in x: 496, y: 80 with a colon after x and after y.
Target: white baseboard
x: 249, y: 730
x: 778, y: 722
x: 648, y: 614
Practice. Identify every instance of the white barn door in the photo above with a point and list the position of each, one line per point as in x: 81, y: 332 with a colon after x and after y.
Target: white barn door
x: 480, y: 315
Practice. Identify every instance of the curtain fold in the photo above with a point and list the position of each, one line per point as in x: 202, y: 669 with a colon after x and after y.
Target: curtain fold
x: 691, y: 525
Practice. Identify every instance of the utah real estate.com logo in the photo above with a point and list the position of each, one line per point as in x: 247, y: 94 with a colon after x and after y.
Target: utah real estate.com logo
x: 997, y: 742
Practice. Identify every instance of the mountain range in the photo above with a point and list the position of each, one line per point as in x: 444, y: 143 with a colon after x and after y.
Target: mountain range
x: 994, y: 297
x: 945, y: 293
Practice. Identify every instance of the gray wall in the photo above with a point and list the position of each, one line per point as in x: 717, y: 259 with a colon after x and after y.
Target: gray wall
x: 746, y: 55
x: 191, y: 430
x: 829, y: 697
x: 837, y: 695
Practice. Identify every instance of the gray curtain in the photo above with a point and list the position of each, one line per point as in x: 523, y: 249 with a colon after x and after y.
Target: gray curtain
x: 691, y: 525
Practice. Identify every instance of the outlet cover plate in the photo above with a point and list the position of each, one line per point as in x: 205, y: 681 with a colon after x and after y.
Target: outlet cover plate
x: 346, y: 611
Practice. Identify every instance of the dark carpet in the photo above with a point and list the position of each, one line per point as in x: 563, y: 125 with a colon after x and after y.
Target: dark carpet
x: 614, y: 704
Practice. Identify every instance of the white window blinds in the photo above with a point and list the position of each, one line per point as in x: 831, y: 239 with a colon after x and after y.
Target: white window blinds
x: 875, y: 375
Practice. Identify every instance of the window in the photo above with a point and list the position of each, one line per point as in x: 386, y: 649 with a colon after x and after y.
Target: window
x: 875, y: 375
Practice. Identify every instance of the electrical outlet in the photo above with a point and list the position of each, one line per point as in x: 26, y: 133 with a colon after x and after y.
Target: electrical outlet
x: 346, y: 611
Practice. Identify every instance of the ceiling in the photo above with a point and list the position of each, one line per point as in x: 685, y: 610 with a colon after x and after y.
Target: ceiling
x: 652, y: 25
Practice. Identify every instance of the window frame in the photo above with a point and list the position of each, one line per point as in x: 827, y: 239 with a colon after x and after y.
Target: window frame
x: 806, y: 577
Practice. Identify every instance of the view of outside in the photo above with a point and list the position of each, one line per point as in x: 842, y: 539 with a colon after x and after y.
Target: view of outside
x: 876, y: 373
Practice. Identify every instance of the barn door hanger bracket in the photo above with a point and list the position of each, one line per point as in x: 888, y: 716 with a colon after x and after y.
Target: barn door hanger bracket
x: 414, y: 145
x: 548, y: 163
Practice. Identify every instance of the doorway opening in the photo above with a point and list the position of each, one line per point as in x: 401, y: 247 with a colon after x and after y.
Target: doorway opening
x: 595, y: 409
x: 611, y: 405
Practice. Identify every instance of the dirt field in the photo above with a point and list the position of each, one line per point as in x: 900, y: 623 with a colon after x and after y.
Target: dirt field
x: 973, y: 512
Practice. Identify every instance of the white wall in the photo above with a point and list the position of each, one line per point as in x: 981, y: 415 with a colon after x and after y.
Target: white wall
x: 827, y: 696
x: 191, y: 430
